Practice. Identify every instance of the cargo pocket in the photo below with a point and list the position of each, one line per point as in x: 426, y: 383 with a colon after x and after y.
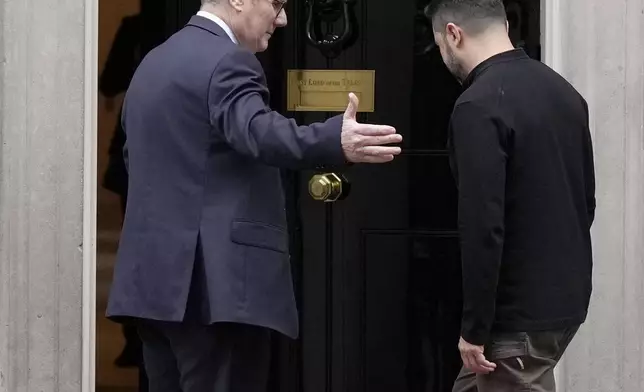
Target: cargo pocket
x: 507, y: 346
x: 510, y: 354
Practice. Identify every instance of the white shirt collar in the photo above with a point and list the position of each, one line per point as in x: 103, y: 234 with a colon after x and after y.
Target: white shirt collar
x: 221, y: 23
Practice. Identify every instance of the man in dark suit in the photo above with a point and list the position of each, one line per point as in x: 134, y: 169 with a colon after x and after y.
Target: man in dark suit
x: 522, y: 156
x: 203, y: 266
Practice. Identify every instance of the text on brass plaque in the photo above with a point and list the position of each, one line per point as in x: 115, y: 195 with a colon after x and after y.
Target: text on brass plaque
x: 327, y: 90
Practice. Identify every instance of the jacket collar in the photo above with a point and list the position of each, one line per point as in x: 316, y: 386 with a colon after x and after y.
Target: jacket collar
x: 510, y: 55
x: 207, y: 24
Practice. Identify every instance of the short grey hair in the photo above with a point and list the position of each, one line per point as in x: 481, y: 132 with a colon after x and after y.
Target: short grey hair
x: 475, y: 16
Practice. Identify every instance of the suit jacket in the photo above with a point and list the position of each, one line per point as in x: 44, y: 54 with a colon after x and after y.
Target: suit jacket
x: 205, y: 209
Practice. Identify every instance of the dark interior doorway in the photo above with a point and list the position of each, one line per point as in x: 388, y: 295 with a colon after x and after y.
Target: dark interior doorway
x: 377, y: 275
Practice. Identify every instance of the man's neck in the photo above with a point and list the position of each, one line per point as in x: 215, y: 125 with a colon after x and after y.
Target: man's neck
x: 221, y: 16
x: 217, y: 11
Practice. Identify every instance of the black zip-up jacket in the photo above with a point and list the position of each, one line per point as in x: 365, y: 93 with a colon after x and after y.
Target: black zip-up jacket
x: 521, y: 152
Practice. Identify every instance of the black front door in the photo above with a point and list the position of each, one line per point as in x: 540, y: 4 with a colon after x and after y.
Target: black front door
x: 377, y: 275
x: 380, y: 277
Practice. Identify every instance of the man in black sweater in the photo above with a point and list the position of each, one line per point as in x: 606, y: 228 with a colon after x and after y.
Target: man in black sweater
x: 522, y: 157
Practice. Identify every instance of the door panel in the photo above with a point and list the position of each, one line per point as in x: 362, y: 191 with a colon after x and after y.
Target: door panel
x: 381, y: 291
x: 389, y: 318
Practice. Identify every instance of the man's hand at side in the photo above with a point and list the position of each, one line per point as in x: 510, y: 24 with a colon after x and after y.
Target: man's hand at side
x: 474, y: 359
x: 365, y: 143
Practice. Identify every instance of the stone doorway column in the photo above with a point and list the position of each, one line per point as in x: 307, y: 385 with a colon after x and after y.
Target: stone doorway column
x: 47, y: 188
x: 598, y: 46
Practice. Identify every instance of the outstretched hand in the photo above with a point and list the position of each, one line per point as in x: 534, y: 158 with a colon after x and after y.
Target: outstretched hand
x: 366, y: 143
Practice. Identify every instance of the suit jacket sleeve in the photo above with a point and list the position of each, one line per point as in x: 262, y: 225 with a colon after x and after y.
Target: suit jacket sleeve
x: 238, y: 105
x: 480, y: 156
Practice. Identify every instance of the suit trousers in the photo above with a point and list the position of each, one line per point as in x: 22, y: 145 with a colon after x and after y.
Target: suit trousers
x: 189, y: 357
x: 525, y: 361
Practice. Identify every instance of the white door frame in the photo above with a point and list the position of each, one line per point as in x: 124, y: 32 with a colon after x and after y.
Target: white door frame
x: 551, y: 33
x: 551, y: 49
x: 90, y: 191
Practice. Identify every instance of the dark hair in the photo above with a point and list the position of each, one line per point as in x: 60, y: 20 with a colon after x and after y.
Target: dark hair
x: 473, y: 16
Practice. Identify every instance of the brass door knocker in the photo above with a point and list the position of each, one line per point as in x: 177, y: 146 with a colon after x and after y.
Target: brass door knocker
x: 329, y: 12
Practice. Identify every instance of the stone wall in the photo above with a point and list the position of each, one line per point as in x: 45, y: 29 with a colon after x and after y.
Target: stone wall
x: 42, y: 119
x: 602, y: 54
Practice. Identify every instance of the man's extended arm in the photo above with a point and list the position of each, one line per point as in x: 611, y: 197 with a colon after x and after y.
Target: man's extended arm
x: 238, y: 103
x: 480, y: 156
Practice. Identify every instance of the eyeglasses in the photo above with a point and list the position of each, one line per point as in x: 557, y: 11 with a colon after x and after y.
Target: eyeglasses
x: 278, y: 5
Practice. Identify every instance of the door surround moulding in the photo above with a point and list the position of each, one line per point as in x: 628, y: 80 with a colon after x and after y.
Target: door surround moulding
x: 551, y: 34
x: 552, y: 56
x: 88, y: 247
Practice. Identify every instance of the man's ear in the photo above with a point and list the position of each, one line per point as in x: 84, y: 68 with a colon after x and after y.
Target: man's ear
x: 507, y: 26
x: 237, y: 5
x: 453, y: 33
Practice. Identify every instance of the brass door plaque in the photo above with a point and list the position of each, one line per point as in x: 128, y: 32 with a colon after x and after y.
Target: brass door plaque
x: 327, y: 90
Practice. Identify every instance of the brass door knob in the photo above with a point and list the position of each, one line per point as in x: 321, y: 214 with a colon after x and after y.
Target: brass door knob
x: 327, y: 187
